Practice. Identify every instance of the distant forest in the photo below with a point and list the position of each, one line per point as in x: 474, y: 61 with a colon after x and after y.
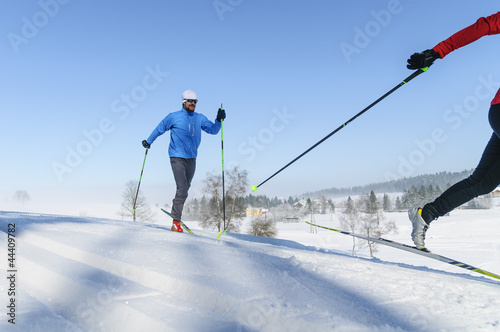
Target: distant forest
x: 441, y: 179
x: 413, y: 190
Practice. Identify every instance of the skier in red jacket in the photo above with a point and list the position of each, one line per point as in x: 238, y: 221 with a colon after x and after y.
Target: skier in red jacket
x: 486, y: 176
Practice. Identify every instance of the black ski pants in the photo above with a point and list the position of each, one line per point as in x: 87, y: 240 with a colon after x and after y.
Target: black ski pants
x: 484, y: 179
x: 183, y: 170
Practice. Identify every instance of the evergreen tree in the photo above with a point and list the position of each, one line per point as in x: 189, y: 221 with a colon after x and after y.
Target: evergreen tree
x: 309, y: 205
x: 430, y: 192
x: 421, y: 196
x: 386, y: 203
x: 372, y: 204
x: 203, y: 205
x: 331, y: 206
x: 323, y: 205
x: 437, y: 192
x: 399, y: 204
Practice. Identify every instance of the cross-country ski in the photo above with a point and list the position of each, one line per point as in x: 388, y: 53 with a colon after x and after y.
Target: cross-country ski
x: 180, y: 221
x: 411, y: 249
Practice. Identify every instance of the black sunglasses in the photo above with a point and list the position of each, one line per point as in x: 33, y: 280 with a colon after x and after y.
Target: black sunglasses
x: 192, y: 100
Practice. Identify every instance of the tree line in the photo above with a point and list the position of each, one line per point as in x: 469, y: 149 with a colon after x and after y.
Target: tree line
x: 208, y: 210
x: 441, y: 179
x: 419, y: 197
x: 194, y: 208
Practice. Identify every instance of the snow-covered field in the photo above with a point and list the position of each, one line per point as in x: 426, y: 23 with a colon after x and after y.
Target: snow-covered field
x: 88, y: 274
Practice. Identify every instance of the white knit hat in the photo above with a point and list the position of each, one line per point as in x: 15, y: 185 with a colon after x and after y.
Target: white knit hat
x: 188, y: 94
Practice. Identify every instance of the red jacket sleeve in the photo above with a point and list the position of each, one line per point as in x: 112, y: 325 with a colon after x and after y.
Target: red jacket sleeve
x: 484, y: 26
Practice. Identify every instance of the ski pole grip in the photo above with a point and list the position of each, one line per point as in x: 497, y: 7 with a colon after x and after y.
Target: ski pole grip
x: 415, y: 74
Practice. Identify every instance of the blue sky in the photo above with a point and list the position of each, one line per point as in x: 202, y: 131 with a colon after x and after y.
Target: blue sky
x: 84, y: 82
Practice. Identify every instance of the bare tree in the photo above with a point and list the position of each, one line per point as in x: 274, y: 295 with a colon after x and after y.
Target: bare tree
x: 366, y: 217
x: 350, y: 219
x: 235, y: 201
x: 371, y: 226
x: 142, y: 211
x: 22, y: 196
x: 371, y: 222
x: 236, y: 187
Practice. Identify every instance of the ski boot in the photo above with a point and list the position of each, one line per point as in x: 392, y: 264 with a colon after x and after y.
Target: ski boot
x: 419, y: 228
x: 176, y: 227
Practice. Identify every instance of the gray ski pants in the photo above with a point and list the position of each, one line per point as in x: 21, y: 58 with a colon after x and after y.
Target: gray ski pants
x: 183, y: 170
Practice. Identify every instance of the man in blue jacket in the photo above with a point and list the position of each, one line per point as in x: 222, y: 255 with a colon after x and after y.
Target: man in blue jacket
x: 185, y: 136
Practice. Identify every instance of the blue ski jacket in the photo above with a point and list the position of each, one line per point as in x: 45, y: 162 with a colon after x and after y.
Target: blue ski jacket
x: 185, y: 132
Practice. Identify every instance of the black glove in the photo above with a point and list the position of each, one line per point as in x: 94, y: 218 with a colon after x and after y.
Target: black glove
x: 221, y: 114
x: 146, y: 144
x: 422, y: 60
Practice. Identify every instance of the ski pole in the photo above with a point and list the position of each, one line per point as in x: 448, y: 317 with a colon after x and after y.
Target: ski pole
x: 140, y: 179
x: 406, y: 80
x: 223, y: 189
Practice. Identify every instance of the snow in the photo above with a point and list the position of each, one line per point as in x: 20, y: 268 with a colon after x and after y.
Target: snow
x: 90, y: 274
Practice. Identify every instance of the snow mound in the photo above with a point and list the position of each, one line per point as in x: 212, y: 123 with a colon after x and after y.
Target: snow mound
x: 88, y: 274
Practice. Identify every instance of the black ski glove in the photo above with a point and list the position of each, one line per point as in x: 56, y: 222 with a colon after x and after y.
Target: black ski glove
x: 146, y: 144
x: 423, y: 59
x: 221, y: 114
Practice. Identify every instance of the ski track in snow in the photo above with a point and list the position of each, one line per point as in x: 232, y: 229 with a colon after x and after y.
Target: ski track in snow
x: 87, y: 274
